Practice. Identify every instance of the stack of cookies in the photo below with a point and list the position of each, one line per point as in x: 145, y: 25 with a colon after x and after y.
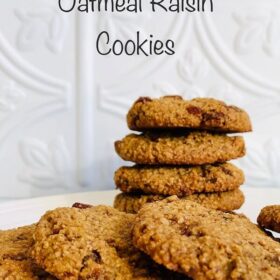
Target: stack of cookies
x: 183, y: 149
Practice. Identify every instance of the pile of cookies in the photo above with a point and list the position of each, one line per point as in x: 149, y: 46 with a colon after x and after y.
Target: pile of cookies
x: 182, y: 150
x: 171, y: 239
x: 78, y: 243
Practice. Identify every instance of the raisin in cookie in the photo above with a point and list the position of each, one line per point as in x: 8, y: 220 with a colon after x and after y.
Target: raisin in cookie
x: 269, y: 218
x: 180, y: 181
x: 175, y: 112
x: 193, y: 148
x: 15, y: 260
x: 92, y: 243
x: 224, y: 201
x: 205, y: 243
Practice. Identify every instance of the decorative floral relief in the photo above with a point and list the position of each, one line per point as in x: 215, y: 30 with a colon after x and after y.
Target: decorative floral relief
x: 192, y: 70
x: 262, y: 165
x: 193, y: 66
x: 11, y: 96
x: 258, y: 29
x: 164, y: 88
x: 47, y: 165
x: 45, y: 26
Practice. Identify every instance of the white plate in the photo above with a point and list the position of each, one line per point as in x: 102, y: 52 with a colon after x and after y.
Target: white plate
x: 23, y: 212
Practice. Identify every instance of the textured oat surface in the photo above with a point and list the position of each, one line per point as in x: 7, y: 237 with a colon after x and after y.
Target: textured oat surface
x: 180, y: 181
x: 270, y: 217
x: 15, y: 261
x: 193, y: 148
x: 224, y: 201
x: 199, y: 113
x: 204, y: 243
x: 92, y: 243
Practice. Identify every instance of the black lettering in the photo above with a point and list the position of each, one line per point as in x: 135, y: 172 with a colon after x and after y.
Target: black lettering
x: 191, y: 7
x: 157, y: 3
x: 120, y: 6
x: 211, y: 5
x: 83, y: 7
x: 147, y: 46
x: 170, y: 45
x: 92, y: 5
x: 100, y: 6
x: 133, y: 47
x: 140, y: 6
x: 140, y: 46
x: 66, y: 10
x: 133, y: 7
x: 151, y: 44
x: 158, y: 50
x: 100, y: 3
x: 115, y: 47
x: 107, y: 42
x: 174, y: 7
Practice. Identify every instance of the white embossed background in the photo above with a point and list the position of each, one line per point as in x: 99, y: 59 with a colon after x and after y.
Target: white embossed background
x: 62, y: 105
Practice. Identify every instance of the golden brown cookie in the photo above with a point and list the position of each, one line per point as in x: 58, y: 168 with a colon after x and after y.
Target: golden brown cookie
x: 180, y: 181
x: 269, y: 218
x: 224, y: 201
x: 198, y: 113
x: 15, y: 260
x: 92, y: 243
x: 193, y: 148
x: 204, y: 243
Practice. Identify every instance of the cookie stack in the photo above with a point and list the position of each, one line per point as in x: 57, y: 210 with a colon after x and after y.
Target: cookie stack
x: 182, y: 150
